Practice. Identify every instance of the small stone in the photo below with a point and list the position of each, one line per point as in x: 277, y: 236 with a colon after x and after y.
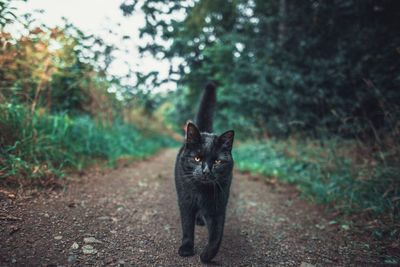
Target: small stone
x: 89, y: 240
x: 252, y: 203
x: 58, y: 237
x: 46, y: 215
x: 75, y: 245
x: 13, y: 261
x: 305, y: 264
x: 73, y: 205
x: 88, y: 249
x: 142, y: 184
x: 113, y: 231
x: 71, y: 258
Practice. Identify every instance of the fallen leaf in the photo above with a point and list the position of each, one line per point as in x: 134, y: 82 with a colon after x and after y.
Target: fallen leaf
x: 345, y: 227
x: 36, y: 169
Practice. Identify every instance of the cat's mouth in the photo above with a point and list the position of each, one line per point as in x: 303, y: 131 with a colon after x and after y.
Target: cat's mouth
x: 206, y: 181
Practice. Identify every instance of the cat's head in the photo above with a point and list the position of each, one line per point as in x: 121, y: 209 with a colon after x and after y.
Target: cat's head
x: 207, y: 156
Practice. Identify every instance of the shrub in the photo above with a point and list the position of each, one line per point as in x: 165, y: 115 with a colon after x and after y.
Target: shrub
x: 328, y: 172
x: 36, y: 147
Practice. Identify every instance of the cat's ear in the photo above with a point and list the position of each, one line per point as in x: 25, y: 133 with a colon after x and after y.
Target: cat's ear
x: 192, y: 134
x: 226, y: 139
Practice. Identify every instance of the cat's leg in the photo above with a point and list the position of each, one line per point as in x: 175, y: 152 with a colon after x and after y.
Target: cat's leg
x: 187, y: 221
x: 215, y: 225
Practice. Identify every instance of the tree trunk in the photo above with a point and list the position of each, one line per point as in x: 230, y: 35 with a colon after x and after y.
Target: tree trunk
x: 282, y: 24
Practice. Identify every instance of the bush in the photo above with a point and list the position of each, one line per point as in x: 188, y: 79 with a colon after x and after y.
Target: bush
x: 36, y: 147
x: 328, y: 172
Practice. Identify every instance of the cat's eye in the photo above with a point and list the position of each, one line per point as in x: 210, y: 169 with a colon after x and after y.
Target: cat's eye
x: 217, y: 161
x: 197, y: 159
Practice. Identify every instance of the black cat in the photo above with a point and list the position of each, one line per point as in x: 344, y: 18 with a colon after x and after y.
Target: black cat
x: 203, y: 175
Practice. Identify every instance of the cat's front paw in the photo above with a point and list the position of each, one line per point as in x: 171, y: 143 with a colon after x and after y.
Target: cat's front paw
x: 207, y: 255
x: 186, y: 250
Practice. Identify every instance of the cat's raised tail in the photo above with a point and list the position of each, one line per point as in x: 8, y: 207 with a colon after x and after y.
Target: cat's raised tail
x: 205, y: 113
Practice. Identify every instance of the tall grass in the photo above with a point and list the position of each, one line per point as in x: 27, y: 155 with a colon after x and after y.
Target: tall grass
x: 36, y: 147
x: 330, y: 172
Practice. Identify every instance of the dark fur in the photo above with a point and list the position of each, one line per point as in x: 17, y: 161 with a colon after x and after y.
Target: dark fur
x: 205, y: 114
x: 203, y: 187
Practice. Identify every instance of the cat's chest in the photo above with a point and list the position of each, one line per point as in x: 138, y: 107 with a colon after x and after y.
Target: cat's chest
x: 207, y: 194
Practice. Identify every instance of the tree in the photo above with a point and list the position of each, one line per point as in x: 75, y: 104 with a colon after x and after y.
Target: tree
x: 284, y: 65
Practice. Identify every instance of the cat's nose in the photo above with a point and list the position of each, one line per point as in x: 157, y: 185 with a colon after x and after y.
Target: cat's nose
x: 206, y: 170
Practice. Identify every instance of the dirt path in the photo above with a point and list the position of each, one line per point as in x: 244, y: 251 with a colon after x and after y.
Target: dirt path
x: 129, y: 217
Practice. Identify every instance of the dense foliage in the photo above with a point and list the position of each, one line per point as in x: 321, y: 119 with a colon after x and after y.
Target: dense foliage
x: 56, y: 108
x: 283, y: 65
x: 36, y: 147
x: 325, y: 173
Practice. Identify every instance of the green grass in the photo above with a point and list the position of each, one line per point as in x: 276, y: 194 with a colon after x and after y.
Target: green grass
x: 327, y: 173
x: 35, y: 148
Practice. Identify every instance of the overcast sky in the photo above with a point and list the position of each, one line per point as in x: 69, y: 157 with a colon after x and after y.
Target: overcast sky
x: 98, y: 17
